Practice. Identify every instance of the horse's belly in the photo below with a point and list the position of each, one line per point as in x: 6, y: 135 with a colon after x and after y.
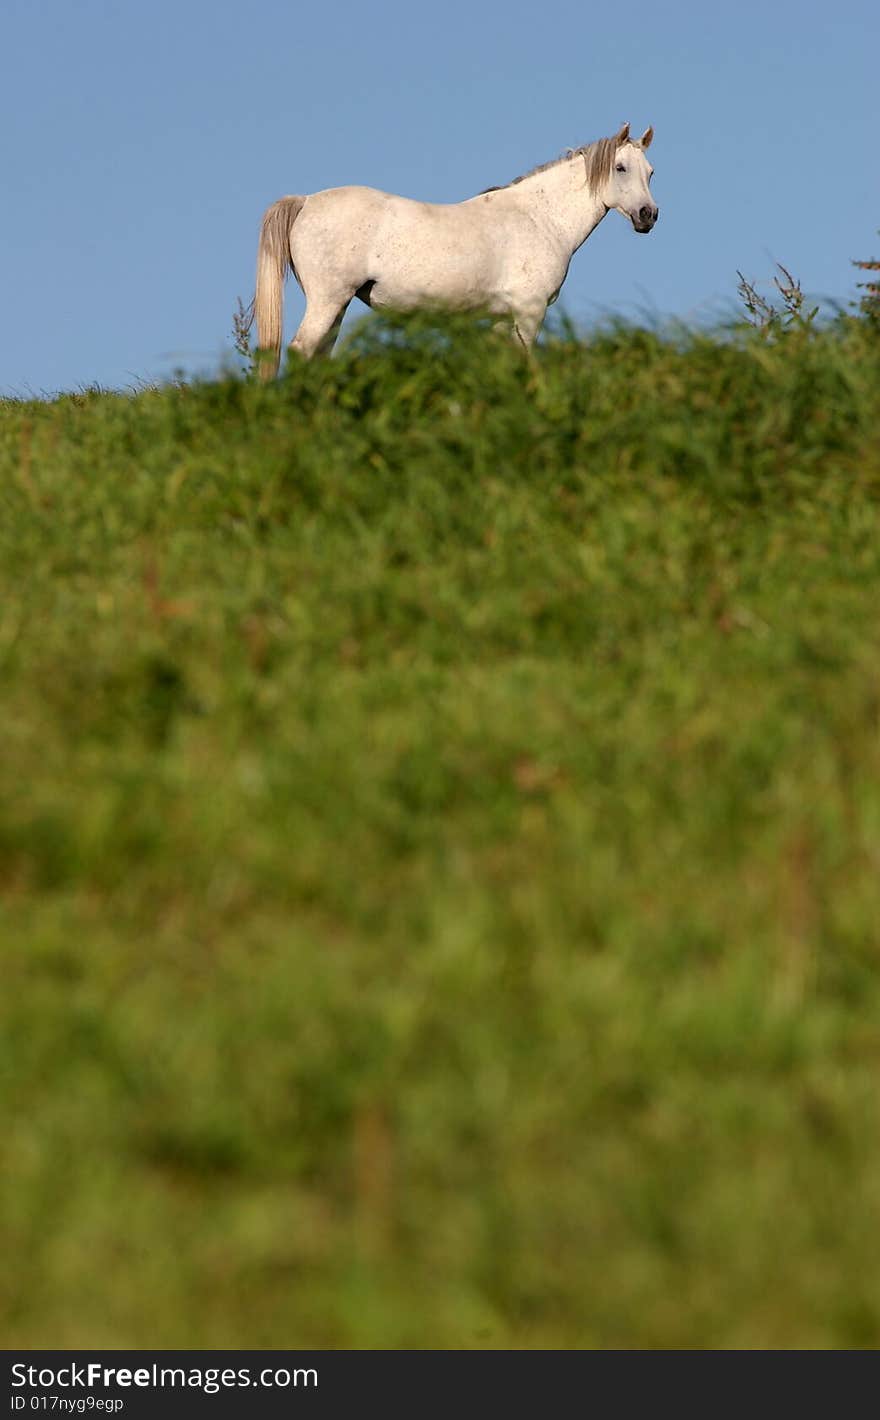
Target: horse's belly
x: 398, y: 295
x: 433, y: 263
x: 411, y: 287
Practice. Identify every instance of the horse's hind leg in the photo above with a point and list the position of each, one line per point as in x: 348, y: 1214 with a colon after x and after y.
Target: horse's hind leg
x: 327, y: 344
x: 319, y: 328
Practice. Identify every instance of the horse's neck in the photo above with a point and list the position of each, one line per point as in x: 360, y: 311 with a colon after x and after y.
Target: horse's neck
x: 564, y: 202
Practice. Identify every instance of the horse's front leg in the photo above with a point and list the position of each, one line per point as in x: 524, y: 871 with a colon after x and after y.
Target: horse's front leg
x: 527, y: 323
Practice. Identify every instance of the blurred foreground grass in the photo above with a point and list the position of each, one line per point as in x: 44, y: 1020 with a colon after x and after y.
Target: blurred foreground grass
x: 440, y: 850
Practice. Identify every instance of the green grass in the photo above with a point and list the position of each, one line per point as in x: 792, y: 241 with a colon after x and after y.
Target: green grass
x: 440, y: 850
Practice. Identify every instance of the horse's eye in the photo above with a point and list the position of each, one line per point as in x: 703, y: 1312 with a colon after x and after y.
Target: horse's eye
x: 621, y: 168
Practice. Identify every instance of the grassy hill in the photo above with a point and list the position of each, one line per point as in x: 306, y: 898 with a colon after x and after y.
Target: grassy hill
x: 440, y: 849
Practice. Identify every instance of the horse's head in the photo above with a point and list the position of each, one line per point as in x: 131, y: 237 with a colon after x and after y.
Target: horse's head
x: 627, y: 189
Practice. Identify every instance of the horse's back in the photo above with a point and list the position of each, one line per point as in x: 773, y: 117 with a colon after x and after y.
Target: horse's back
x: 348, y: 203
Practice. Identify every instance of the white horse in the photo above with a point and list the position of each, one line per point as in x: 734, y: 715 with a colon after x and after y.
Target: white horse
x: 505, y: 251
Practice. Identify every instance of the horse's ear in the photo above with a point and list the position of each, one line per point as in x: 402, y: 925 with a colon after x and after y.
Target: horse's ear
x: 645, y: 140
x: 622, y: 136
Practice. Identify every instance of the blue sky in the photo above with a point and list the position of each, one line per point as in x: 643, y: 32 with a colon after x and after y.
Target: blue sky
x: 141, y: 143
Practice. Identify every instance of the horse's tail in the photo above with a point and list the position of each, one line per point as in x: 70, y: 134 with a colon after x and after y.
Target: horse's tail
x: 273, y: 264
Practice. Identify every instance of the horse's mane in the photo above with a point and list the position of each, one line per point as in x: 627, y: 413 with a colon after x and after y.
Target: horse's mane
x: 598, y: 159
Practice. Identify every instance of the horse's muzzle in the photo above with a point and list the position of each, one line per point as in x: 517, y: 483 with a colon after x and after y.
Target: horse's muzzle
x: 647, y: 216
